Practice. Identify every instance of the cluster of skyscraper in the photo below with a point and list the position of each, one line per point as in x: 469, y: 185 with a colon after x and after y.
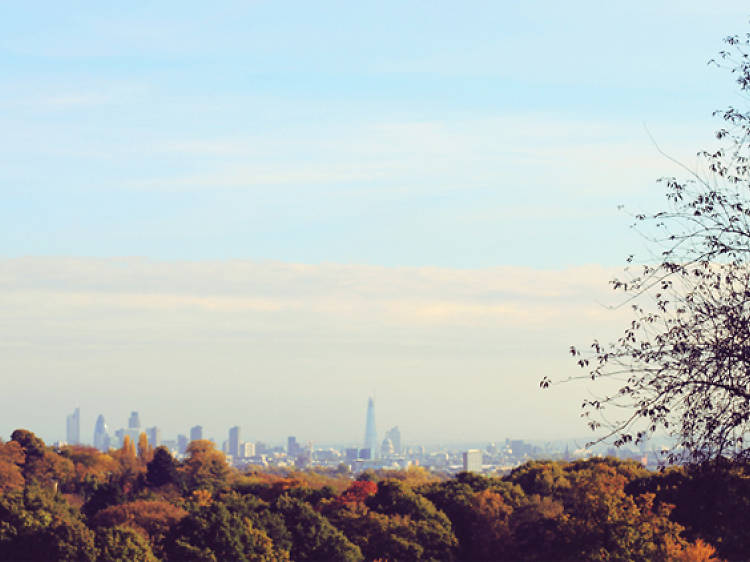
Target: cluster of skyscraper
x: 105, y: 438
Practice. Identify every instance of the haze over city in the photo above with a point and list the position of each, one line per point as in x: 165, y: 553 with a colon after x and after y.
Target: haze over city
x: 261, y: 214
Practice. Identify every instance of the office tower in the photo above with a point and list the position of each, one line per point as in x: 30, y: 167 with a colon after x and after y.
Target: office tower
x: 196, y: 433
x: 119, y: 439
x: 292, y: 447
x: 473, y: 460
x: 394, y: 434
x: 154, y: 436
x: 134, y: 422
x: 101, y: 435
x: 234, y: 441
x: 351, y: 455
x: 182, y: 443
x: 371, y: 436
x: 73, y: 427
x: 365, y: 454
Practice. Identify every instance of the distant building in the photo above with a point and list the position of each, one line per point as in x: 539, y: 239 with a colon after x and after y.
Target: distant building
x: 386, y: 449
x: 154, y: 436
x: 371, y: 435
x: 182, y: 443
x: 73, y: 427
x: 394, y: 434
x: 365, y: 454
x: 248, y: 450
x: 292, y: 447
x: 134, y: 421
x: 473, y: 460
x: 233, y: 446
x: 101, y: 435
x: 351, y: 455
x: 196, y: 433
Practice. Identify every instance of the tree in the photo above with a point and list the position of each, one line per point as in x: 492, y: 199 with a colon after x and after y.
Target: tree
x: 122, y: 544
x: 205, y: 467
x: 41, y: 464
x: 711, y: 502
x: 214, y: 532
x: 145, y: 450
x: 37, y: 524
x: 313, y: 536
x: 153, y: 519
x: 683, y: 363
x: 161, y: 470
x: 11, y: 461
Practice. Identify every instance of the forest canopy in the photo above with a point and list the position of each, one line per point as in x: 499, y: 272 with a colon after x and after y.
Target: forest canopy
x: 77, y: 503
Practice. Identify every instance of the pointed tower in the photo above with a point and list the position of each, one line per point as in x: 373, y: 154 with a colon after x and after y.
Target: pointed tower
x: 371, y: 436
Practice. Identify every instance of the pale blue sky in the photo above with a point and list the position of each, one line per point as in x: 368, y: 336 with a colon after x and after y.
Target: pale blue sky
x: 464, y: 134
x: 326, y: 198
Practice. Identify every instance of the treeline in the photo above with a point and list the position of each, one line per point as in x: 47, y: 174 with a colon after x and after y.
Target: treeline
x: 135, y: 503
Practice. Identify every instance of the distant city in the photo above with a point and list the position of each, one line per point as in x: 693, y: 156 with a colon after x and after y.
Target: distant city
x: 390, y: 453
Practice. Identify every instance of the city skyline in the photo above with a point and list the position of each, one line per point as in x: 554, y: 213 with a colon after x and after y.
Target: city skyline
x: 106, y: 436
x: 392, y: 454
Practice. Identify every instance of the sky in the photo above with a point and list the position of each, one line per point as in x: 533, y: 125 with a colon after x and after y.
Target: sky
x: 261, y: 213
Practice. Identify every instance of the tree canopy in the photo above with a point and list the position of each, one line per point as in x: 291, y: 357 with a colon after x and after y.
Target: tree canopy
x: 120, y: 506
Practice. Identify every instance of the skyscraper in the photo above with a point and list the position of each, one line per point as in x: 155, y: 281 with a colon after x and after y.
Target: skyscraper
x: 371, y: 435
x: 134, y: 422
x: 73, y: 427
x: 473, y: 460
x: 101, y: 434
x: 196, y: 433
x: 394, y: 434
x: 182, y: 443
x: 292, y: 447
x: 154, y: 436
x: 234, y: 441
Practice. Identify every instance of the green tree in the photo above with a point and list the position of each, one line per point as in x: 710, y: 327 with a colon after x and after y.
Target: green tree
x: 162, y: 468
x: 412, y: 519
x: 122, y: 544
x: 214, y: 533
x: 37, y: 524
x: 313, y: 536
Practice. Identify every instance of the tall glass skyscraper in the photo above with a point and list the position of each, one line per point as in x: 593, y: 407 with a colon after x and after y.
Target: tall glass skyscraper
x: 371, y: 435
x: 73, y: 427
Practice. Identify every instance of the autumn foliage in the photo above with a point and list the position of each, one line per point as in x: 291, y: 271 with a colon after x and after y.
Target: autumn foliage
x: 78, y: 503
